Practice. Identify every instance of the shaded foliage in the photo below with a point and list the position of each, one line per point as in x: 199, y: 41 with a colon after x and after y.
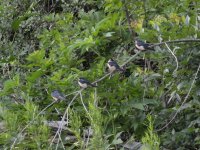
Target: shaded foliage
x: 47, y: 45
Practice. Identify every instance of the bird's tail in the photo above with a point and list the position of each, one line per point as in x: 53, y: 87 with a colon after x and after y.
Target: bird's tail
x: 151, y: 47
x: 93, y: 85
x: 121, y: 69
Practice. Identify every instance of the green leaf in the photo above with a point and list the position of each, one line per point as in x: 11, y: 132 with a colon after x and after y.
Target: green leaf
x: 109, y: 34
x: 150, y: 101
x: 117, y: 139
x: 36, y: 57
x: 84, y: 44
x: 9, y: 85
x: 16, y: 23
x: 35, y: 75
x: 152, y: 76
x: 138, y: 106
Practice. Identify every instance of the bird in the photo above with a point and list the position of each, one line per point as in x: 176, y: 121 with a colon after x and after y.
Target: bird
x: 141, y: 45
x: 84, y: 83
x: 112, y: 66
x: 56, y: 95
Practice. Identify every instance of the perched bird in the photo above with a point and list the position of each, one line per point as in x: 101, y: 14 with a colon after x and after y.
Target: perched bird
x: 112, y: 66
x: 140, y: 45
x: 56, y: 95
x: 84, y: 83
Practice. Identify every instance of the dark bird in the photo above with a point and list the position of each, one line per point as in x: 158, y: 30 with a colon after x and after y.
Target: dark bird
x: 112, y: 66
x: 140, y: 45
x: 84, y: 83
x: 56, y: 95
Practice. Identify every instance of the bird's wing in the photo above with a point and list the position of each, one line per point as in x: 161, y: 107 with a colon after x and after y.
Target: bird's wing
x: 114, y: 64
x: 83, y: 80
x: 140, y: 43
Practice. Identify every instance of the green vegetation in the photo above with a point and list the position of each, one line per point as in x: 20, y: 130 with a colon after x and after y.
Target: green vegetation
x: 150, y: 140
x: 47, y: 44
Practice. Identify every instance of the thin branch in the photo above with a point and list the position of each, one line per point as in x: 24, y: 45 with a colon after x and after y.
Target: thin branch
x: 106, y: 75
x: 88, y: 137
x: 66, y: 112
x: 71, y: 93
x: 63, y: 118
x: 129, y: 20
x: 144, y: 93
x: 84, y: 106
x: 131, y: 58
x: 175, y: 41
x: 60, y: 139
x: 174, y: 57
x: 12, y: 146
x: 145, y: 14
x: 36, y: 118
x: 185, y: 99
x: 95, y: 98
x: 67, y: 109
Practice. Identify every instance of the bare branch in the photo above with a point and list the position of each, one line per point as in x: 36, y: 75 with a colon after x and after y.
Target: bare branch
x: 106, y: 75
x: 63, y: 119
x: 129, y: 20
x: 185, y: 99
x: 131, y: 58
x: 79, y: 92
x: 85, y: 106
x: 174, y: 57
x: 12, y: 146
x: 175, y: 41
x: 95, y: 98
x: 60, y: 139
x: 36, y: 118
x: 71, y: 93
x: 67, y: 109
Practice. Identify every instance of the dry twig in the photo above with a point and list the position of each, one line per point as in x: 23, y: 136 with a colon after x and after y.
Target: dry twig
x: 174, y: 57
x: 19, y: 134
x: 185, y: 99
x: 176, y: 41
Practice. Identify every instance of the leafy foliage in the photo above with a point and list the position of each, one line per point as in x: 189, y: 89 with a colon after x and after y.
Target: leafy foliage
x: 47, y: 45
x: 150, y: 140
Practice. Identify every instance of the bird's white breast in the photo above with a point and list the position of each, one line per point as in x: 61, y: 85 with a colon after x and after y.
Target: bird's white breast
x: 140, y: 47
x: 111, y: 68
x: 83, y: 85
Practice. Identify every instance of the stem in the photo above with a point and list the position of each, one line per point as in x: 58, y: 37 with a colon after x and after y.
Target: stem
x: 176, y: 41
x: 185, y: 99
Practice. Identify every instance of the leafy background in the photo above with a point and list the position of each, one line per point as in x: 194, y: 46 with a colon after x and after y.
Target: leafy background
x: 47, y: 45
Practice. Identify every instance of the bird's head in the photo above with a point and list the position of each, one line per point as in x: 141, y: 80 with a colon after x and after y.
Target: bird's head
x: 137, y: 40
x: 81, y: 78
x: 110, y: 60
